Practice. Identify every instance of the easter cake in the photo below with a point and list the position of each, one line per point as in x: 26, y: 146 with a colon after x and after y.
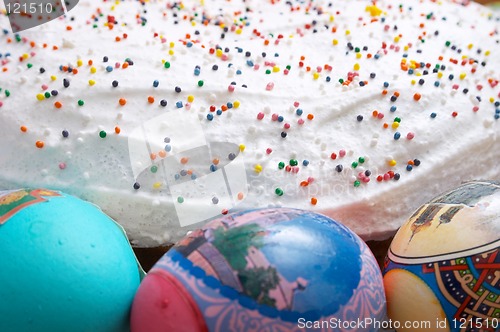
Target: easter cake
x: 166, y: 114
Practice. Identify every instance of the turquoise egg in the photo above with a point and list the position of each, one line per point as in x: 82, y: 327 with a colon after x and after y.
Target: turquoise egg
x: 64, y: 265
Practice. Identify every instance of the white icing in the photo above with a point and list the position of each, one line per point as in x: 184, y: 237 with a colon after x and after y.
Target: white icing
x: 451, y: 150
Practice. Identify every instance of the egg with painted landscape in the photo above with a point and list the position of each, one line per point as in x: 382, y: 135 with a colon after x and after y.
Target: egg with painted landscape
x: 262, y: 270
x: 443, y: 265
x: 64, y: 265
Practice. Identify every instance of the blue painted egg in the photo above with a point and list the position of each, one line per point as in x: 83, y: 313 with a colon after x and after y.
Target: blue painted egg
x: 263, y: 270
x: 64, y: 265
x: 443, y: 266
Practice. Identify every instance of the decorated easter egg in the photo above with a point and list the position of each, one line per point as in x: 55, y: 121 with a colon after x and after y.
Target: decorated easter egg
x: 442, y: 271
x: 263, y: 270
x: 64, y: 265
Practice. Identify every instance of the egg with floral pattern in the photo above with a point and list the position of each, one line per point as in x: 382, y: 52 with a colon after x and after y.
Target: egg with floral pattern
x: 443, y: 265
